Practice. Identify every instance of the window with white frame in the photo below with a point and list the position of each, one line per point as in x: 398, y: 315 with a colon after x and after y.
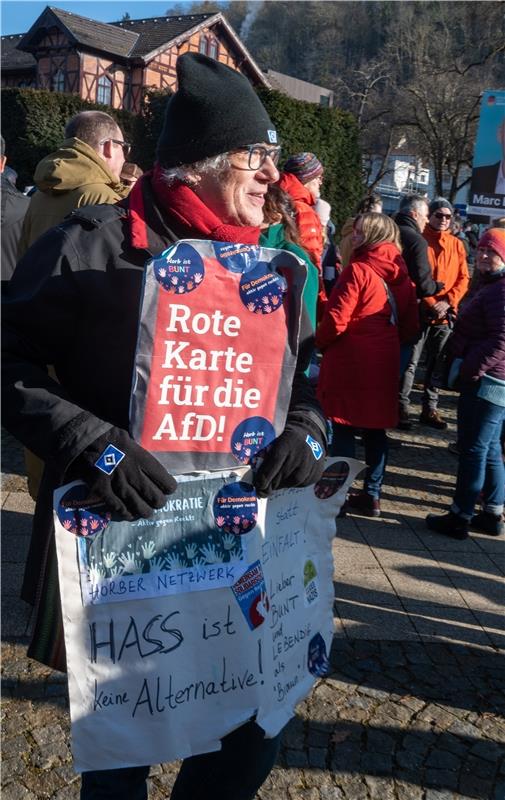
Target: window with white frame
x: 212, y: 51
x: 104, y: 90
x: 209, y: 46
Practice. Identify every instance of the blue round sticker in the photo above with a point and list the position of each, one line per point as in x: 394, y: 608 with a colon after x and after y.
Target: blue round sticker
x: 261, y: 290
x: 180, y: 269
x: 332, y: 479
x: 318, y: 662
x: 82, y: 521
x: 236, y: 257
x: 236, y: 508
x: 251, y: 436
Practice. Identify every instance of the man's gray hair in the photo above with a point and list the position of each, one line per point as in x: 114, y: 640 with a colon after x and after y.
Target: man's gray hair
x: 215, y: 165
x: 92, y: 127
x: 412, y: 202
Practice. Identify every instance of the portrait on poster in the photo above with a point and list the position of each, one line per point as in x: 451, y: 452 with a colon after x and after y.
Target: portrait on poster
x: 487, y: 189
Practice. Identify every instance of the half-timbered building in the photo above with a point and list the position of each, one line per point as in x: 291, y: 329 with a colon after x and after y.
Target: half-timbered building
x: 115, y: 63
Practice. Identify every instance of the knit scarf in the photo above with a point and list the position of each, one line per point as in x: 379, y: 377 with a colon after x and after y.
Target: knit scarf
x: 181, y: 205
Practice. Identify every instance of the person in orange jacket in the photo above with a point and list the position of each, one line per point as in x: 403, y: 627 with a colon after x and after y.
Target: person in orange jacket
x: 447, y: 257
x: 301, y: 178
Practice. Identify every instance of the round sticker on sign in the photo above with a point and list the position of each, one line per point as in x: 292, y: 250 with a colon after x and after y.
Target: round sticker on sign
x: 78, y: 520
x: 180, y: 269
x: 236, y: 257
x: 262, y: 291
x: 318, y: 662
x: 251, y: 436
x: 236, y: 508
x: 332, y: 479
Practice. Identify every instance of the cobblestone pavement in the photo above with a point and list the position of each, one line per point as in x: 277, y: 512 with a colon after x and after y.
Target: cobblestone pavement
x: 413, y: 708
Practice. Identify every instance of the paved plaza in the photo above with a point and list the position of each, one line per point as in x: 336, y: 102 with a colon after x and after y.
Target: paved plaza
x: 413, y: 708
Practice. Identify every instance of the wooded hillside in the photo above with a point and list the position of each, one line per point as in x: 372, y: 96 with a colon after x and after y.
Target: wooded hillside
x: 413, y: 69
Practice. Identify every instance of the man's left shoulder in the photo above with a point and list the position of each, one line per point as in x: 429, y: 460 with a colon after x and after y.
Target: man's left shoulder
x: 97, y: 216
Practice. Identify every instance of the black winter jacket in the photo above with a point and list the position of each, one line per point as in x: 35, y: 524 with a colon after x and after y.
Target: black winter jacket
x: 415, y: 254
x: 13, y: 209
x: 79, y: 310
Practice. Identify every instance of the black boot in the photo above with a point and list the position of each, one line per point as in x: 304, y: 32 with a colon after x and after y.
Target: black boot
x: 449, y: 524
x: 404, y: 421
x: 484, y: 522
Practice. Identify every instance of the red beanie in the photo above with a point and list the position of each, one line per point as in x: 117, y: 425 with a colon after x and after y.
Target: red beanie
x: 494, y: 238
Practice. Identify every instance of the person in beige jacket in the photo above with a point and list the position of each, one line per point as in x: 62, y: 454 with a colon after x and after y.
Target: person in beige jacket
x: 84, y: 171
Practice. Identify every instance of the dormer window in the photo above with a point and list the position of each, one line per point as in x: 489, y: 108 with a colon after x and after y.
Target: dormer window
x: 209, y: 46
x: 212, y: 50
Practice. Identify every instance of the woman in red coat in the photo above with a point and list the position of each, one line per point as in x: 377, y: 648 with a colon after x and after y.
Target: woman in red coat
x: 371, y: 310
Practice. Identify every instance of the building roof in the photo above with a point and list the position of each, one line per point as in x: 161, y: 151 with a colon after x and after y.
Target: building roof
x: 87, y: 32
x: 297, y: 88
x: 156, y: 32
x: 14, y: 59
x: 138, y: 38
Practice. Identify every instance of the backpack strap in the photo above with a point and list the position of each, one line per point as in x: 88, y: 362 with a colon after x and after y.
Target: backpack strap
x: 392, y: 302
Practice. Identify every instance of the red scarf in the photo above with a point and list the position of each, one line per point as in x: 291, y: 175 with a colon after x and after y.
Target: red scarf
x: 180, y: 203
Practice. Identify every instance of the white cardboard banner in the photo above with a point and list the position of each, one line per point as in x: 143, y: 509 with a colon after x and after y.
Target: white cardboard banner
x: 180, y: 628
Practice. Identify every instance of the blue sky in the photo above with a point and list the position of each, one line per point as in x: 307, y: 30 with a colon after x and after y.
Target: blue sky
x: 19, y: 16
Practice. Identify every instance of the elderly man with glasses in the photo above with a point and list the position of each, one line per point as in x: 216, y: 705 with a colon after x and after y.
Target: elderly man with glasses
x: 75, y: 303
x: 447, y: 257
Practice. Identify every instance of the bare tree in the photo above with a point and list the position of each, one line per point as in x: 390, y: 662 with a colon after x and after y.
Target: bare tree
x: 413, y: 69
x: 441, y: 117
x: 366, y: 92
x: 452, y: 59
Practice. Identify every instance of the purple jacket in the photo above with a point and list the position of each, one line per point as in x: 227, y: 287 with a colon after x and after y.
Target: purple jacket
x: 479, y: 334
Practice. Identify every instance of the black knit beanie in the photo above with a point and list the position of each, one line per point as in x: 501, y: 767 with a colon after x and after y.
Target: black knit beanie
x: 440, y: 202
x: 214, y: 110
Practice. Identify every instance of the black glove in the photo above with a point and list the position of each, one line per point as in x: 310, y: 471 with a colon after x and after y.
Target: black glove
x: 129, y: 481
x: 295, y: 458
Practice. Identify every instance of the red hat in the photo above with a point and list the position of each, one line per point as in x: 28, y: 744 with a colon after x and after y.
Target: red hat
x: 494, y: 238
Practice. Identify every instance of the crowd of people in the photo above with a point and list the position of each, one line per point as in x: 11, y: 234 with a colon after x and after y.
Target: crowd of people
x: 378, y: 297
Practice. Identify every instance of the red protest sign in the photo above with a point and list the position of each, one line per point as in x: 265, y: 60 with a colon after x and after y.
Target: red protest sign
x: 215, y: 357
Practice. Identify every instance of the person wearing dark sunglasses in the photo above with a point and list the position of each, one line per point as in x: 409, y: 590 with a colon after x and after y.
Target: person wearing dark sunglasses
x: 85, y: 170
x: 447, y: 257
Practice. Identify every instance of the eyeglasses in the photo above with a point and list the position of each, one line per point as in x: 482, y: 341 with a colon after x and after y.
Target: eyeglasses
x: 257, y: 155
x: 439, y: 215
x: 125, y: 145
